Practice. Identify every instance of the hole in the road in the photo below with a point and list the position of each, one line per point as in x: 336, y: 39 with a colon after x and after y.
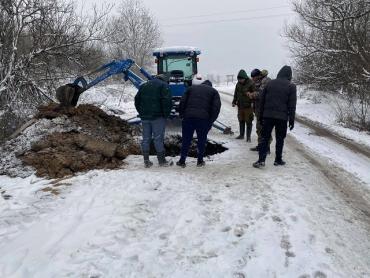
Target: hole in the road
x: 173, y: 147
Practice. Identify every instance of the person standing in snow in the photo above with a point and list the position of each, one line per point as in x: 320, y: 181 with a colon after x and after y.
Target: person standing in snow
x: 153, y: 102
x: 199, y: 108
x: 242, y: 99
x: 277, y: 107
x: 260, y: 79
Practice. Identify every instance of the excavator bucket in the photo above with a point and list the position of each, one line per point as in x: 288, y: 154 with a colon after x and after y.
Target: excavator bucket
x: 228, y: 130
x: 222, y: 127
x: 68, y: 94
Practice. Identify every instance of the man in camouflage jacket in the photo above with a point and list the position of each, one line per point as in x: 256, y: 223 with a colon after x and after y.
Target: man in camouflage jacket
x: 260, y: 79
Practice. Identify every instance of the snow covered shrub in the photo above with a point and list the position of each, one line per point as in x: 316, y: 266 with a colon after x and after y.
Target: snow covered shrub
x: 331, y: 47
x: 359, y: 103
x: 353, y: 109
x: 41, y: 44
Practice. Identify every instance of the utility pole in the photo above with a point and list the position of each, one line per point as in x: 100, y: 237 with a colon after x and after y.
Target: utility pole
x: 229, y: 78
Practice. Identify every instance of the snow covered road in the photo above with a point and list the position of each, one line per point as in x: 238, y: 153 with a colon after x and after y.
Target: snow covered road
x: 308, y: 219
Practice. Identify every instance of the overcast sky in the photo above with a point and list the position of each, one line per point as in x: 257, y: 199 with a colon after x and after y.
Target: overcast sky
x: 248, y: 34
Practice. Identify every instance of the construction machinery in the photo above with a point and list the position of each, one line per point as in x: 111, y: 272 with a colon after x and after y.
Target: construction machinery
x: 178, y: 64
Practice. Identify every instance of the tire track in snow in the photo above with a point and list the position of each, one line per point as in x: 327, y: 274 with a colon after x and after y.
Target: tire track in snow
x: 320, y: 130
x: 342, y: 181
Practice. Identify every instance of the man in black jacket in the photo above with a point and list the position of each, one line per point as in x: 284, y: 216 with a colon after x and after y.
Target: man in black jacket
x: 199, y: 108
x: 277, y: 107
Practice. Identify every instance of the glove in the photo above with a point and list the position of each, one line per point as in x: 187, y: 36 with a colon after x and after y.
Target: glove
x: 291, y: 125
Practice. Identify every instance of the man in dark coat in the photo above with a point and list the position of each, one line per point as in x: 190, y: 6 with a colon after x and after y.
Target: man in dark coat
x: 242, y: 99
x: 199, y: 108
x: 277, y: 107
x: 153, y: 102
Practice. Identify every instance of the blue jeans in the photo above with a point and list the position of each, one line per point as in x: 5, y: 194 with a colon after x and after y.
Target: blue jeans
x: 153, y: 129
x: 201, y: 127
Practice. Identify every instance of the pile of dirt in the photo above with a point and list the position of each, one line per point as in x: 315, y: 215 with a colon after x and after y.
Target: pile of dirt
x: 64, y: 141
x: 62, y: 154
x: 92, y: 121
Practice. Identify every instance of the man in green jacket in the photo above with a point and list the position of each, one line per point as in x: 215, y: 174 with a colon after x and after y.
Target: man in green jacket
x: 243, y: 88
x: 153, y: 103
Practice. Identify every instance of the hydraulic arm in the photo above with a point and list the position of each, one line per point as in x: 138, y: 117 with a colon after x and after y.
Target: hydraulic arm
x: 69, y: 94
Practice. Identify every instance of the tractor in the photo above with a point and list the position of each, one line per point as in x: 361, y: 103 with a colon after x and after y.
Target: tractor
x: 179, y: 64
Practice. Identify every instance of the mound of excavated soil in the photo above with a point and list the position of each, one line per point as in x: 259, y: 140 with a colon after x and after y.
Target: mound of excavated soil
x: 92, y: 121
x: 64, y: 141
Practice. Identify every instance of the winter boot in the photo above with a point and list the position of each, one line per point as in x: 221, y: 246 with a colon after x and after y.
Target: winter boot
x: 147, y: 162
x: 181, y: 163
x: 279, y: 162
x: 241, y: 129
x: 249, y: 132
x: 255, y: 149
x: 201, y: 163
x: 259, y: 164
x: 162, y: 160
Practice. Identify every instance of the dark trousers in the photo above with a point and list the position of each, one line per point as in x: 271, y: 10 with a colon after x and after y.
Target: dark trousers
x: 281, y: 127
x: 259, y: 132
x: 201, y: 127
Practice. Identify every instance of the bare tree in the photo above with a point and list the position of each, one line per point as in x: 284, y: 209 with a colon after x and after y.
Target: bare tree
x: 43, y: 42
x: 136, y: 33
x: 331, y: 47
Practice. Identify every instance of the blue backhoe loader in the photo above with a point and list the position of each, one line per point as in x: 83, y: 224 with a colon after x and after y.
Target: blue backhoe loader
x: 179, y: 64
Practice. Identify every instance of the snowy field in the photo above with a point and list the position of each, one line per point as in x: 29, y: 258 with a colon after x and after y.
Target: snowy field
x: 308, y: 219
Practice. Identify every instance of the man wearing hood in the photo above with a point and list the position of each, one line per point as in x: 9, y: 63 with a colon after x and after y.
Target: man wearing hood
x: 277, y: 107
x: 199, y: 108
x: 242, y: 99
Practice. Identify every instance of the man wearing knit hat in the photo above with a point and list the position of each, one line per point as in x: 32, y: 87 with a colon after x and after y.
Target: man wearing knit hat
x: 260, y: 79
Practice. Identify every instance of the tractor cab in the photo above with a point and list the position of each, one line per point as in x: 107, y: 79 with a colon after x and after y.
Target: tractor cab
x: 179, y: 64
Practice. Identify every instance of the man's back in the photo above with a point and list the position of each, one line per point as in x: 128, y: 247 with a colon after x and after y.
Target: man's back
x: 200, y: 101
x: 279, y: 97
x: 153, y: 100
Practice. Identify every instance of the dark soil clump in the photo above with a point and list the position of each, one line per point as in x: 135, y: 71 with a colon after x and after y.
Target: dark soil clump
x: 101, y: 141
